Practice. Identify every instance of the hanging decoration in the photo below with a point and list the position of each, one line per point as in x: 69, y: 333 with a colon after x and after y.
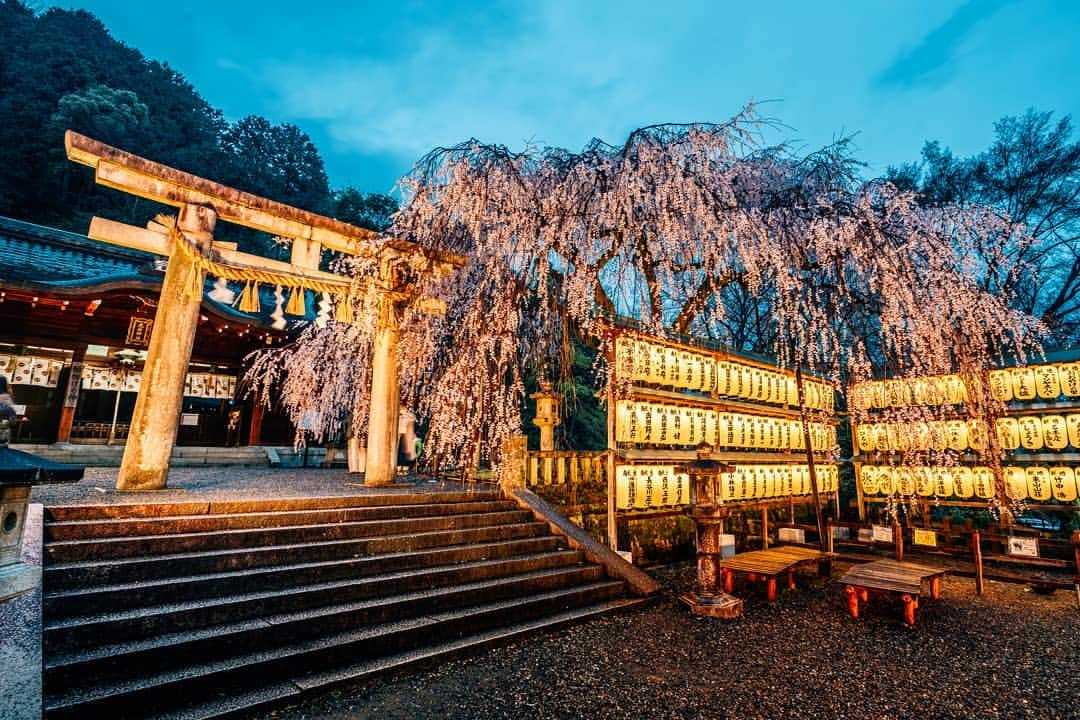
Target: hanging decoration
x: 297, y: 303
x: 249, y: 298
x: 278, y: 316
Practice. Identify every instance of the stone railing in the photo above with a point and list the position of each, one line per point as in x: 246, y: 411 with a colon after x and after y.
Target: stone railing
x: 561, y: 467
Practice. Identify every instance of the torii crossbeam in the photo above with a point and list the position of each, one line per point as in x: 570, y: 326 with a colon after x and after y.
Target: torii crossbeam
x: 201, y: 203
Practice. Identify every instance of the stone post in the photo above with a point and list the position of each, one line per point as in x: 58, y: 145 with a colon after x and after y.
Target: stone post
x: 547, y: 414
x: 512, y: 468
x: 385, y: 402
x: 157, y: 409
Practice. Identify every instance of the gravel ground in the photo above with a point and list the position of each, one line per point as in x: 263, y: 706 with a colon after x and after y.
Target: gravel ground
x: 207, y: 483
x: 1008, y: 654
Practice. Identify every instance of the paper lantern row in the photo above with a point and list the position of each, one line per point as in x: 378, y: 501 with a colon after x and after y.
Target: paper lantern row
x: 200, y: 385
x: 642, y: 361
x: 1030, y: 432
x: 1035, y: 382
x: 641, y: 487
x: 1036, y: 482
x: 30, y: 370
x: 661, y: 424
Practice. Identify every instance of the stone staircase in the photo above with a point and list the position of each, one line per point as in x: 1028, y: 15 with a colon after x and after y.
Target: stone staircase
x: 202, y: 609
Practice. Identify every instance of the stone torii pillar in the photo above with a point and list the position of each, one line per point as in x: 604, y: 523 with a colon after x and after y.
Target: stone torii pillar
x: 157, y: 408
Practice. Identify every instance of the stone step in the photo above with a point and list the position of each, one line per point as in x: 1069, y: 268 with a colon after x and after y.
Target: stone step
x: 161, y: 645
x: 195, y: 523
x: 128, y: 547
x: 92, y: 597
x: 315, y: 658
x: 123, y: 619
x: 60, y: 513
x: 125, y: 570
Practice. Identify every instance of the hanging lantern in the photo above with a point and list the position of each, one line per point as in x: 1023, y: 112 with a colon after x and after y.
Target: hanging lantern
x: 689, y: 376
x: 798, y: 439
x: 920, y: 436
x: 1069, y: 379
x: 963, y: 483
x: 793, y: 391
x: 745, y: 381
x: 725, y: 430
x: 712, y: 430
x: 1063, y: 483
x: 977, y: 434
x: 904, y: 481
x: 624, y: 423
x: 955, y: 390
x: 886, y: 485
x: 1015, y: 482
x: 723, y: 378
x: 1055, y: 435
x: 881, y: 437
x: 709, y: 379
x: 1038, y: 483
x: 868, y: 477
x: 939, y: 435
x: 943, y: 482
x: 643, y: 496
x: 924, y: 480
x: 1001, y: 385
x: 956, y: 435
x: 1031, y: 434
x: 221, y: 292
x: 625, y: 486
x: 1024, y: 384
x: 1046, y: 382
x: 983, y: 479
x: 1008, y: 430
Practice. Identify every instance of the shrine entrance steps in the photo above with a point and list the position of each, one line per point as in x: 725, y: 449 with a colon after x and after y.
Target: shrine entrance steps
x: 196, y: 610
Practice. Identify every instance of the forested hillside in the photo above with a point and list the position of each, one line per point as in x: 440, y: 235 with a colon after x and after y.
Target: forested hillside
x: 61, y: 69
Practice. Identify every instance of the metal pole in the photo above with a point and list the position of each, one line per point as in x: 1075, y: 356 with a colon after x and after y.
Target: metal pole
x: 116, y: 411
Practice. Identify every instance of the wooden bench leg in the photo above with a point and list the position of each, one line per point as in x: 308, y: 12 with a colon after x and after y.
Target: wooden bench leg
x: 911, y: 604
x: 729, y: 579
x: 935, y: 588
x: 771, y: 585
x: 752, y: 577
x: 852, y: 600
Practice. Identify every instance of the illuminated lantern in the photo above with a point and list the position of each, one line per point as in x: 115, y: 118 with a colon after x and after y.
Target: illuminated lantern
x: 659, y: 421
x: 1001, y: 385
x: 939, y: 435
x: 956, y: 434
x: 738, y: 433
x: 666, y: 479
x: 1046, y: 382
x: 1055, y: 435
x: 924, y: 480
x: 725, y: 430
x: 977, y: 435
x: 625, y: 488
x: 1038, y: 483
x: 892, y: 435
x: 881, y: 436
x: 757, y: 384
x: 1072, y: 425
x: 729, y: 485
x: 983, y: 480
x: 868, y: 477
x: 798, y: 440
x: 800, y: 480
x: 680, y: 493
x: 677, y: 431
x: 866, y: 436
x: 904, y: 481
x: 752, y: 427
x: 1031, y: 435
x: 786, y: 480
x: 778, y: 428
x: 625, y: 427
x: 723, y: 378
x: 624, y: 357
x: 760, y: 482
x: 920, y: 436
x: 711, y: 428
x: 657, y: 365
x: 943, y: 482
x: 828, y: 396
x: 1063, y: 483
x: 1024, y: 384
x: 745, y: 381
x: 963, y: 483
x: 1069, y: 379
x: 671, y: 362
x: 834, y: 478
x: 1015, y: 482
x: 955, y: 390
x: 708, y: 374
x: 1008, y: 430
x: 885, y: 480
x: 685, y: 377
x: 769, y: 473
x: 792, y: 391
x: 813, y: 395
x: 893, y: 393
x: 783, y: 432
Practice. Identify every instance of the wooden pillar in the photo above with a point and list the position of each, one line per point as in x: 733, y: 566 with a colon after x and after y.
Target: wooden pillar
x: 157, y: 409
x: 765, y: 527
x: 385, y: 402
x: 976, y: 551
x: 255, y: 428
x: 71, y: 395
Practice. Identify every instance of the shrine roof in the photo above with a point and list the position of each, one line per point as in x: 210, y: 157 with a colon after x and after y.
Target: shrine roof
x: 56, y: 261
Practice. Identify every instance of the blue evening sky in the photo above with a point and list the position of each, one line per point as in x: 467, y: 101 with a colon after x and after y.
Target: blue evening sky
x: 378, y: 84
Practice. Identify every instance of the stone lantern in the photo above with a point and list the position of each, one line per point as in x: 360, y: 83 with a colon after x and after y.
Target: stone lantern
x: 547, y: 414
x: 708, y: 512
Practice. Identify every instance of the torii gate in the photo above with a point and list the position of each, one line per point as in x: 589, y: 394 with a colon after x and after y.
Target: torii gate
x: 190, y: 245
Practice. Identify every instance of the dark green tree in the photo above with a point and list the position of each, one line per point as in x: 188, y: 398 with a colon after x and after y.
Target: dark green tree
x: 373, y: 211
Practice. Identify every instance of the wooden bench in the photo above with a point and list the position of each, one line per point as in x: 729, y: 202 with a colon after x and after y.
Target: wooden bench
x: 888, y: 577
x: 769, y: 564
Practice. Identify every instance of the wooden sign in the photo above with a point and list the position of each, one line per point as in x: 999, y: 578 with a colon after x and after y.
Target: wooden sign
x: 1023, y: 547
x: 927, y: 538
x: 881, y: 533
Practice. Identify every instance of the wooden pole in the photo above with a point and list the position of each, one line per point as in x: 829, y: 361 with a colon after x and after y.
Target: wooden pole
x: 898, y: 539
x: 976, y: 551
x: 810, y: 457
x: 71, y: 396
x: 161, y: 394
x: 612, y: 511
x: 764, y: 528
